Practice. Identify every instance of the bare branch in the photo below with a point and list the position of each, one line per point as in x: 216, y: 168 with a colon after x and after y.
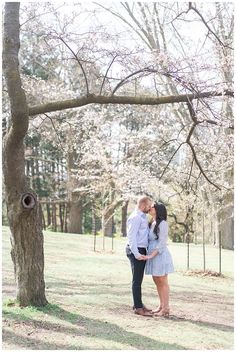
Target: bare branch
x: 192, y: 112
x: 191, y: 169
x: 209, y: 29
x: 125, y: 21
x: 199, y: 166
x: 179, y: 222
x: 104, y: 78
x: 123, y: 81
x: 76, y: 58
x: 193, y: 116
x: 170, y: 160
x: 54, y: 127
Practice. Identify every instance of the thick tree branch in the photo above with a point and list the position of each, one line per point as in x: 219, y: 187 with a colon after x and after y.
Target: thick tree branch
x: 11, y: 46
x: 99, y: 99
x: 13, y: 150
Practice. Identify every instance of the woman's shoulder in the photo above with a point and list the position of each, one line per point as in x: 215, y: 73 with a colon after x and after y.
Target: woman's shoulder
x: 164, y: 224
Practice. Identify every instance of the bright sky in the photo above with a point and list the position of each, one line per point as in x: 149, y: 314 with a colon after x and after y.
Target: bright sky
x: 195, y: 31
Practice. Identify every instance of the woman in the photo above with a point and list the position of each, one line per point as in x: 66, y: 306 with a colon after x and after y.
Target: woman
x: 159, y: 261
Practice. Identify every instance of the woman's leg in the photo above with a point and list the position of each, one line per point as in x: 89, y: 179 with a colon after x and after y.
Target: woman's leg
x: 162, y: 283
x: 166, y: 291
x: 155, y: 279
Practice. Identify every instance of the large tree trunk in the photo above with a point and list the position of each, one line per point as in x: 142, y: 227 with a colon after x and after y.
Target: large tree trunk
x: 107, y: 222
x: 75, y: 215
x: 23, y: 208
x: 54, y: 217
x: 226, y: 221
x: 48, y: 214
x: 124, y: 218
x: 108, y: 218
x: 94, y: 220
x: 75, y: 206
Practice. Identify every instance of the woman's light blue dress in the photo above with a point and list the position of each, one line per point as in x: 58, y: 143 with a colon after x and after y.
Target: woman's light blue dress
x: 162, y: 263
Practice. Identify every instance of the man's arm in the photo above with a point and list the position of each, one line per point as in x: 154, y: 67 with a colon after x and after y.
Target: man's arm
x: 132, y: 231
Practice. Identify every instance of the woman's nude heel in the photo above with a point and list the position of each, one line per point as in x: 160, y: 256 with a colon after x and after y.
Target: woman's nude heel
x: 157, y: 310
x: 165, y: 312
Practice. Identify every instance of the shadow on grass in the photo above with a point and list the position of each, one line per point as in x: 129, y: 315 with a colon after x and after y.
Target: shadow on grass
x: 200, y: 296
x: 207, y: 324
x: 88, y: 327
x: 63, y: 287
x: 214, y: 299
x: 85, y: 291
x: 10, y: 337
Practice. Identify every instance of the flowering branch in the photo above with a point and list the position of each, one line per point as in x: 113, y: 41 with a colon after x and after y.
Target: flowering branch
x: 99, y: 99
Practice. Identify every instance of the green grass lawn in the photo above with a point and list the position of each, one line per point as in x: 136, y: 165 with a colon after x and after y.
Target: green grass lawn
x: 90, y: 300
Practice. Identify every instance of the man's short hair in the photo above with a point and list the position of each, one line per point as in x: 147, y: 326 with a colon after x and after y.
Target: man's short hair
x: 143, y: 200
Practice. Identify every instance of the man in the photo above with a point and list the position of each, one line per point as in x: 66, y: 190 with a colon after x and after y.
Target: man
x: 137, y: 232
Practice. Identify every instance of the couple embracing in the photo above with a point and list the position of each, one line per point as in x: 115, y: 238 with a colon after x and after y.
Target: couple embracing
x: 147, y: 251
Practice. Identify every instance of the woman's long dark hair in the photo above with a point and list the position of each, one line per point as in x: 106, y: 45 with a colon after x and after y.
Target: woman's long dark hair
x: 161, y: 214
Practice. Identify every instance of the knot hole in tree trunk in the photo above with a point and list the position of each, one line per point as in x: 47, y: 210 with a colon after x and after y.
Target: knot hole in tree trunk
x: 28, y: 201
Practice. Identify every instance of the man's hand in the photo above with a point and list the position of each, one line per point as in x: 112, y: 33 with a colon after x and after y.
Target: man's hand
x: 150, y: 256
x: 146, y: 257
x: 141, y: 257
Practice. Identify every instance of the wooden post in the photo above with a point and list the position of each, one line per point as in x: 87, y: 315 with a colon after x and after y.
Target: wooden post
x: 43, y: 218
x: 203, y: 241
x: 219, y: 252
x: 112, y: 238
x: 94, y: 227
x: 48, y: 214
x: 187, y: 251
x: 65, y: 218
x: 54, y: 217
x: 103, y: 242
x: 94, y: 241
x: 61, y: 215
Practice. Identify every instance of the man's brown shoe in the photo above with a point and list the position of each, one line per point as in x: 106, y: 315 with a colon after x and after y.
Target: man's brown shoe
x: 146, y: 309
x: 141, y: 311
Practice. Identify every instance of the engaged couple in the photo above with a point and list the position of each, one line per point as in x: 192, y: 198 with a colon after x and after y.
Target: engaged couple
x: 147, y: 251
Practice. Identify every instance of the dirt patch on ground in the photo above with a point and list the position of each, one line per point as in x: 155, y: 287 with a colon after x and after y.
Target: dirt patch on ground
x: 207, y: 309
x: 201, y: 273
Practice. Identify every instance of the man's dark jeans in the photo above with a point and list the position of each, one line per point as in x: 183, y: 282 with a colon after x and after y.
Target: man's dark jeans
x: 137, y: 267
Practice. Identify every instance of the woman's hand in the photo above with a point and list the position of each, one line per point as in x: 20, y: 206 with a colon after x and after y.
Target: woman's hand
x: 150, y: 256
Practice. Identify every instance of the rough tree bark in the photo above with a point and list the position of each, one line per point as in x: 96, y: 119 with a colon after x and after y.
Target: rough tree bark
x: 75, y: 215
x: 107, y: 222
x: 124, y: 210
x: 75, y: 205
x: 23, y: 209
x: 107, y: 217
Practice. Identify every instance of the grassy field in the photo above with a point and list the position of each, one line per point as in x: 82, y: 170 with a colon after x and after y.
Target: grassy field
x: 90, y: 301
